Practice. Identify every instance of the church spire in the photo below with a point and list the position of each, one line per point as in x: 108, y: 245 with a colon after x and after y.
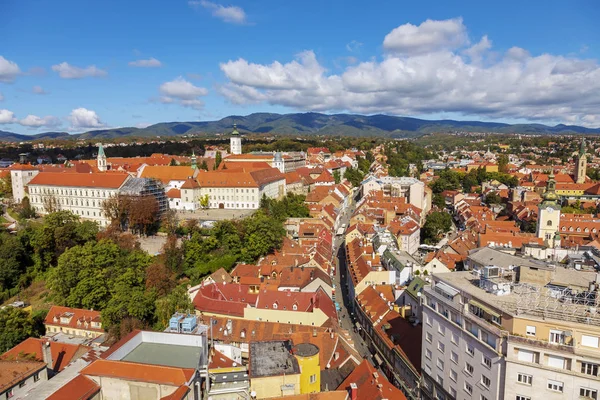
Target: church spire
x: 193, y: 159
x: 101, y: 159
x: 582, y: 148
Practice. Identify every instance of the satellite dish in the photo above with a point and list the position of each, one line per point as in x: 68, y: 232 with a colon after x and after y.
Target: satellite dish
x: 495, y: 287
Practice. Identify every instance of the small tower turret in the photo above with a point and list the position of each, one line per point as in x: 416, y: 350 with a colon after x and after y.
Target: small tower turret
x: 101, y: 159
x: 235, y: 142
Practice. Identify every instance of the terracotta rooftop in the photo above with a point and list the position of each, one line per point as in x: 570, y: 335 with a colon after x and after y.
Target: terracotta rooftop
x: 167, y: 173
x: 224, y: 298
x: 12, y: 372
x: 367, y: 380
x: 79, y: 388
x: 62, y: 353
x: 163, y: 375
x: 77, y: 318
x: 97, y: 180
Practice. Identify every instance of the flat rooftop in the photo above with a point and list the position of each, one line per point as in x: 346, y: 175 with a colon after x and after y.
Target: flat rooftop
x: 272, y: 358
x: 170, y: 355
x: 524, y: 299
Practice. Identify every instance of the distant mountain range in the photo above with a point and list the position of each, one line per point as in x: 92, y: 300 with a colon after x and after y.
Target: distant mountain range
x: 311, y: 123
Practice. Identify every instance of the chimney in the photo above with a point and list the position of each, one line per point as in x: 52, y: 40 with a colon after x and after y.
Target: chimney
x: 353, y: 391
x: 47, y: 355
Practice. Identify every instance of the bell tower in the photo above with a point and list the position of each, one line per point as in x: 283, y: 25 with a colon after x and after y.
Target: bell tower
x: 581, y: 166
x: 101, y: 159
x: 549, y: 215
x: 235, y: 142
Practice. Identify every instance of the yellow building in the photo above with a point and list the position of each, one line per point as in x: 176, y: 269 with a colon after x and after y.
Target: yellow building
x: 274, y: 371
x: 307, y: 355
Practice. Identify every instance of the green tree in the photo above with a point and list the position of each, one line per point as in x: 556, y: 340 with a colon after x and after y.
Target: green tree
x: 436, y: 225
x: 12, y: 261
x: 204, y: 165
x: 493, y: 198
x: 15, y: 326
x: 173, y: 162
x: 166, y: 306
x: 6, y: 186
x: 218, y: 159
x: 25, y: 209
x: 354, y: 176
x: 263, y: 235
x: 503, y: 163
x: 439, y: 201
x: 204, y: 201
x: 337, y: 176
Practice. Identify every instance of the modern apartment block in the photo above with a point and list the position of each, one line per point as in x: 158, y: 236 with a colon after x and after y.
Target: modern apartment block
x: 518, y: 333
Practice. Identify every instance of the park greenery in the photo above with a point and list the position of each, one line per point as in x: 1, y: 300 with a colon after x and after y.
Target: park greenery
x: 468, y: 181
x: 84, y: 267
x: 437, y: 224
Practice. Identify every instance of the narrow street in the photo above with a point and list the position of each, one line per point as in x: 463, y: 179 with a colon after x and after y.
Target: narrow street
x: 342, y: 298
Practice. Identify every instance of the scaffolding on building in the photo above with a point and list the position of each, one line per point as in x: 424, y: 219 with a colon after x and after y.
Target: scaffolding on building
x: 560, y: 303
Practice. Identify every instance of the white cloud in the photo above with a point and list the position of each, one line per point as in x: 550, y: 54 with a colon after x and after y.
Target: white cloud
x: 230, y: 14
x: 9, y: 70
x: 38, y: 90
x: 30, y: 121
x: 182, y: 92
x: 477, y: 51
x: 34, y: 121
x: 430, y: 36
x: 82, y: 118
x: 353, y: 46
x: 7, y: 117
x: 512, y: 85
x: 67, y: 71
x: 149, y: 63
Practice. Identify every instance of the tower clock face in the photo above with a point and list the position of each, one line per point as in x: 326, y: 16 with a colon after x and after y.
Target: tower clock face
x: 549, y: 209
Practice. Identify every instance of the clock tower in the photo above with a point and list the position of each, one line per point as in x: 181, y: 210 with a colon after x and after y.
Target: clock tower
x: 549, y: 214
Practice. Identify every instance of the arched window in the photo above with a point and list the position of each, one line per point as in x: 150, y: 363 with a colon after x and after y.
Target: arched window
x: 549, y: 223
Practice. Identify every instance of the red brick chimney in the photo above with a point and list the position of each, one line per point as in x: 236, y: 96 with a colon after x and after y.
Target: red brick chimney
x: 353, y: 391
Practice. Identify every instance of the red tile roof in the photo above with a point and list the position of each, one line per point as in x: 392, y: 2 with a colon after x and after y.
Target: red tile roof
x: 62, y: 353
x: 174, y: 194
x: 98, y: 180
x: 79, y: 388
x: 367, y: 380
x: 159, y: 374
x: 78, y: 315
x: 12, y: 372
x: 224, y: 298
x: 167, y: 173
x: 220, y: 360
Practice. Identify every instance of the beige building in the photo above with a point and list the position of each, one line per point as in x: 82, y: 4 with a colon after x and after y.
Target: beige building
x: 531, y: 332
x: 238, y: 189
x: 73, y: 322
x: 274, y: 371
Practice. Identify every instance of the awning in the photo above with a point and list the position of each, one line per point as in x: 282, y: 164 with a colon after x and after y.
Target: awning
x: 447, y: 289
x: 378, y: 359
x: 484, y: 308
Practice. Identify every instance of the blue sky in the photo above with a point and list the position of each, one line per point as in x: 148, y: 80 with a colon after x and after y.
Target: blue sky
x: 80, y: 65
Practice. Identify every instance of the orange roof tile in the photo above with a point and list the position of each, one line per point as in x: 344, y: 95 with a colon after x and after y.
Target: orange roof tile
x: 367, y: 380
x: 12, y: 372
x: 167, y: 173
x: 99, y: 180
x: 79, y: 388
x: 62, y: 353
x: 139, y: 372
x: 78, y: 315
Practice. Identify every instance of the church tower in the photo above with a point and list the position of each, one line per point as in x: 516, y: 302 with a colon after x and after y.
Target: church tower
x: 193, y: 160
x: 101, y: 159
x: 580, y: 167
x: 278, y: 162
x: 549, y: 215
x: 235, y: 143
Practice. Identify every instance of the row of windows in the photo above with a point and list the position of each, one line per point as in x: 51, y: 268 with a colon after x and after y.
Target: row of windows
x: 69, y: 192
x: 67, y: 202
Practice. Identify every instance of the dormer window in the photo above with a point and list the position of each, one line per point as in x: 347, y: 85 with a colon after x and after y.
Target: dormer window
x: 295, y: 307
x: 243, y: 333
x: 275, y: 306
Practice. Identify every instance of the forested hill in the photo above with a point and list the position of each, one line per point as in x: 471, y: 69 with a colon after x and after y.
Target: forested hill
x: 315, y: 123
